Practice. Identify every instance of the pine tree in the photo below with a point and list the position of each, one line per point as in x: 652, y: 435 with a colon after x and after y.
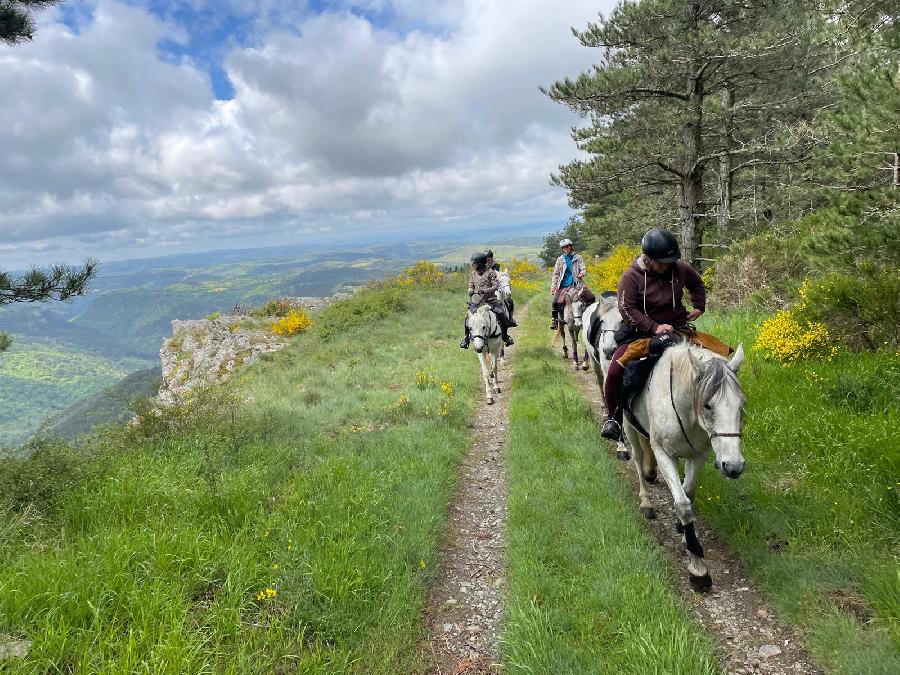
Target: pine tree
x: 16, y: 23
x: 678, y: 81
x: 59, y: 282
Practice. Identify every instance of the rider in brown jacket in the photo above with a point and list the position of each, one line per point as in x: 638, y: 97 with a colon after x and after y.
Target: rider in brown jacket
x: 650, y: 301
x: 483, y: 286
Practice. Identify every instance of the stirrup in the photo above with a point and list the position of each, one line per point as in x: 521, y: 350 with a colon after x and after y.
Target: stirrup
x: 554, y: 324
x: 465, y: 342
x: 512, y: 323
x: 611, y: 430
x: 508, y: 341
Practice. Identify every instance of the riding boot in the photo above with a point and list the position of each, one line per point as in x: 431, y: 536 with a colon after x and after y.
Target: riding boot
x: 466, y: 339
x: 508, y: 341
x: 554, y: 321
x: 612, y: 427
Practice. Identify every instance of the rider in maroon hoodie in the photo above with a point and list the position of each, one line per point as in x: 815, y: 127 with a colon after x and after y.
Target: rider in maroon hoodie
x: 650, y: 300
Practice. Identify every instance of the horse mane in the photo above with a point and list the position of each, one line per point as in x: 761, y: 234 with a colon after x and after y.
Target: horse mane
x: 714, y: 374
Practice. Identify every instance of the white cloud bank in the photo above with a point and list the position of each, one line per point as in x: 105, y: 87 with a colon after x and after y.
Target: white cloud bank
x: 337, y: 123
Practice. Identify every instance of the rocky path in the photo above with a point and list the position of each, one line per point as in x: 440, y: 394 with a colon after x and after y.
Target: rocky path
x: 735, y: 613
x: 466, y: 601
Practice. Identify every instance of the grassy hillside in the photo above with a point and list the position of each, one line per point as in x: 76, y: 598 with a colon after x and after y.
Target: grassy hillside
x: 131, y: 306
x: 289, y: 523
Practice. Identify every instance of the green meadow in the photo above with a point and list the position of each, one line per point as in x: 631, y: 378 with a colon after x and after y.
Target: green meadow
x: 288, y: 521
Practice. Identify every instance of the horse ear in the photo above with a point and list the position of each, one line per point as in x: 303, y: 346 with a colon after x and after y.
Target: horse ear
x: 737, y: 359
x: 696, y: 366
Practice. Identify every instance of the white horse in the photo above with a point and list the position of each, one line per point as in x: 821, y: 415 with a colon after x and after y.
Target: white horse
x: 601, y: 321
x: 504, y: 293
x: 572, y: 321
x: 692, y: 403
x: 485, y: 331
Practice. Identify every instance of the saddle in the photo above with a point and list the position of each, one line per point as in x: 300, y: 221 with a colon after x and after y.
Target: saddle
x: 643, y: 347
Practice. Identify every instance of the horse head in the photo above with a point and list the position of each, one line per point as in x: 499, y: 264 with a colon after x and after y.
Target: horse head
x: 719, y: 403
x: 577, y: 304
x: 480, y: 327
x: 610, y: 320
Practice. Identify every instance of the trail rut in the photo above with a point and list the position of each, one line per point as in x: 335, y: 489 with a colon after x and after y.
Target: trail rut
x: 466, y: 599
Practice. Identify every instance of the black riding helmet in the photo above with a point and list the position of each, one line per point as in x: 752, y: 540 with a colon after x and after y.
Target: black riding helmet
x: 480, y: 260
x: 489, y: 253
x: 661, y: 246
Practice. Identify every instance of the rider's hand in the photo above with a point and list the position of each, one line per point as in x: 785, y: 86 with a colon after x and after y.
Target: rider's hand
x: 663, y: 328
x: 695, y: 314
x: 581, y: 275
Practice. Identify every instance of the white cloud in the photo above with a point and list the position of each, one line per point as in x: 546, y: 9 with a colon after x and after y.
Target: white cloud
x: 334, y: 121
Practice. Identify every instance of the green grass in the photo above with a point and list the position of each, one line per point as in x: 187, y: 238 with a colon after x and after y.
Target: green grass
x: 589, y: 592
x: 816, y: 516
x: 309, y: 475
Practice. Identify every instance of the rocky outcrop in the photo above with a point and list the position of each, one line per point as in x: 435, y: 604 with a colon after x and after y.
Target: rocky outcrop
x: 203, y: 352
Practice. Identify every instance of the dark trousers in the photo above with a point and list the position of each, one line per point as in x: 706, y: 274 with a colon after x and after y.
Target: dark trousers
x: 612, y: 385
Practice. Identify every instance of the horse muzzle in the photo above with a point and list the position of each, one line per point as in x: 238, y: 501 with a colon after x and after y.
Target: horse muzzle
x: 731, y: 469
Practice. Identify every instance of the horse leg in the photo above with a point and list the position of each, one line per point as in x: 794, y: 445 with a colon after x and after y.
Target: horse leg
x: 649, y: 467
x: 691, y: 472
x: 573, y: 333
x: 698, y: 574
x: 495, y: 374
x: 646, y: 507
x: 488, y: 394
x: 562, y: 333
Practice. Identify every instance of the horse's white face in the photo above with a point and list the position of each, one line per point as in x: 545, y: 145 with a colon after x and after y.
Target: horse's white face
x: 721, y: 412
x: 480, y: 328
x: 610, y: 321
x: 577, y: 312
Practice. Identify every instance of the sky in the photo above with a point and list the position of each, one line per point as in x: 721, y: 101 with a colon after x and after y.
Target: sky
x: 151, y: 127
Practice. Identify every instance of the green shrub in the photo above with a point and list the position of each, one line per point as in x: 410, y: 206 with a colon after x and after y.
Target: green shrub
x: 863, y: 311
x: 280, y: 307
x: 44, y: 478
x: 367, y: 305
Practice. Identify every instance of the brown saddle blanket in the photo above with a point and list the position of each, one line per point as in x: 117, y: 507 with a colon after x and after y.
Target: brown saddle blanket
x: 640, y: 348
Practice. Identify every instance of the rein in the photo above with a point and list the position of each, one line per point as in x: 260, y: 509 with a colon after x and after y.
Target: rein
x: 712, y: 434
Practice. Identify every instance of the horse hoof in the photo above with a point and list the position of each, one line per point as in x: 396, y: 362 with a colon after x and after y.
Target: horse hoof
x: 648, y: 512
x: 650, y: 476
x: 498, y: 390
x: 623, y: 455
x: 700, y: 584
x: 490, y: 401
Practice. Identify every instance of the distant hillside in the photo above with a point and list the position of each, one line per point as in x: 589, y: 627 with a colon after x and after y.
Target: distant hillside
x: 107, y: 407
x: 66, y: 351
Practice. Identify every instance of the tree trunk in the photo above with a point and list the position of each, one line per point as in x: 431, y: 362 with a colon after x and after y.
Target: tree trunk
x: 723, y: 214
x: 690, y: 190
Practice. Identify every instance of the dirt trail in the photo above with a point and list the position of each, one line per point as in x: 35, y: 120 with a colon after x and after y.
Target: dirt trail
x: 735, y: 613
x: 466, y: 600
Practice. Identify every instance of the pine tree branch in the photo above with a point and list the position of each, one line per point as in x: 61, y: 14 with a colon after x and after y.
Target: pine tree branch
x: 59, y: 282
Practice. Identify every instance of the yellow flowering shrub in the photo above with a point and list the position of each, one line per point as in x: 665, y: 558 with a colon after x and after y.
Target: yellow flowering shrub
x: 423, y: 273
x: 787, y: 340
x: 296, y: 321
x: 521, y: 270
x: 604, y: 275
x: 524, y: 285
